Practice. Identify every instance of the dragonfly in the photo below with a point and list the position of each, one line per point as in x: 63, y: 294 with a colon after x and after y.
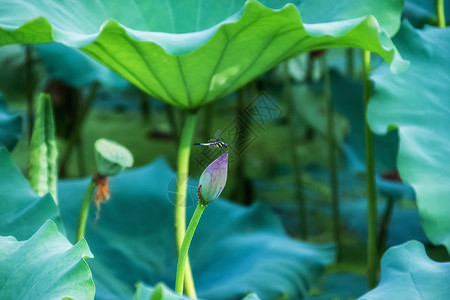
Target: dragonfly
x: 214, y: 143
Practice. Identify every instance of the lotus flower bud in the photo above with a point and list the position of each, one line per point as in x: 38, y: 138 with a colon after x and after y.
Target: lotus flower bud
x: 213, y: 180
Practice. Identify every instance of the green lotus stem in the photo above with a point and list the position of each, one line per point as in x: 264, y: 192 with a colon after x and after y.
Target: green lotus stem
x: 439, y: 6
x: 239, y: 189
x: 84, y: 211
x: 208, y: 121
x: 350, y: 54
x: 184, y: 152
x: 145, y: 106
x: 81, y: 157
x: 170, y: 114
x: 183, y: 256
x: 30, y: 88
x: 75, y: 135
x: 372, y: 256
x: 244, y: 94
x: 384, y: 225
x: 295, y: 160
x: 332, y: 158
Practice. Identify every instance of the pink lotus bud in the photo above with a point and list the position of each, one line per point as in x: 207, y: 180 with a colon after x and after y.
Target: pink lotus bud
x: 213, y: 179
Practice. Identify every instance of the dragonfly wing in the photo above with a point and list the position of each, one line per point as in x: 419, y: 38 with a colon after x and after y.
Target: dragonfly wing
x: 218, y: 134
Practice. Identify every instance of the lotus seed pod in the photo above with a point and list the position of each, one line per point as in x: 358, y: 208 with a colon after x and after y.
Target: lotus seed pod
x: 111, y: 157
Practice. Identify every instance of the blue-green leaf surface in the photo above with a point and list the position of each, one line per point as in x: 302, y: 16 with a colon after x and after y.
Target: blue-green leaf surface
x: 347, y: 97
x: 75, y: 68
x: 387, y: 12
x: 46, y: 266
x: 162, y: 292
x: 408, y: 273
x: 235, y: 249
x: 22, y: 212
x: 417, y: 103
x: 251, y: 296
x: 159, y: 292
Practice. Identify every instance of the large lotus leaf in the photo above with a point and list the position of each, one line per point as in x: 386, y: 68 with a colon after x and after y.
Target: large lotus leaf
x: 187, y: 55
x: 417, y: 103
x: 408, y: 273
x: 22, y: 212
x: 10, y: 127
x: 162, y: 292
x: 347, y: 97
x: 159, y: 292
x: 251, y: 296
x: 387, y: 12
x: 75, y: 68
x: 403, y: 226
x: 46, y: 266
x: 235, y: 249
x: 336, y: 286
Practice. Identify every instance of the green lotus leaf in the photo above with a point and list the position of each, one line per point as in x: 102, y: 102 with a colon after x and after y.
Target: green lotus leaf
x: 22, y: 212
x: 182, y: 55
x: 159, y: 292
x: 46, y: 266
x: 387, y: 12
x: 235, y: 249
x: 417, y: 103
x: 408, y: 273
x: 162, y: 292
x: 348, y: 100
x: 251, y: 296
x: 43, y: 164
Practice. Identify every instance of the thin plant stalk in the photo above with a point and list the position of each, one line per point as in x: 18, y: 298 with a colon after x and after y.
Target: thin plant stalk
x: 295, y: 159
x: 309, y: 68
x: 171, y: 118
x: 184, y: 153
x: 350, y: 54
x: 372, y: 256
x: 144, y: 101
x: 208, y: 121
x: 145, y: 106
x: 84, y: 211
x: 384, y: 226
x: 30, y: 88
x: 332, y: 158
x: 243, y: 95
x: 80, y: 158
x: 183, y: 256
x: 75, y: 134
x: 439, y: 6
